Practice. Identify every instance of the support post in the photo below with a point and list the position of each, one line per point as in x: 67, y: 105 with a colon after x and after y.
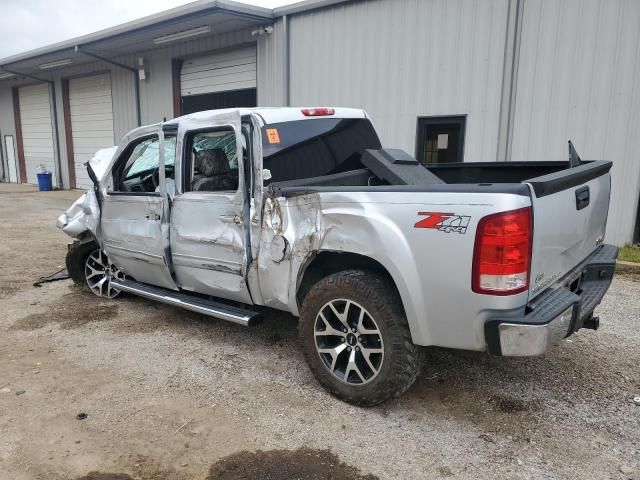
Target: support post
x: 509, y: 79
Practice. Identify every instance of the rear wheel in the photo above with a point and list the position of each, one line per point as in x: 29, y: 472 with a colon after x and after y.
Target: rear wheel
x: 90, y: 267
x: 356, y: 338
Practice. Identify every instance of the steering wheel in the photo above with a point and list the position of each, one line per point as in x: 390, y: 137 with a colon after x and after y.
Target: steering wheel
x: 155, y: 177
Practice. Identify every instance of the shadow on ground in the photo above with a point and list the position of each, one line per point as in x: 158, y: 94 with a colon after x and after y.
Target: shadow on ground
x: 304, y: 463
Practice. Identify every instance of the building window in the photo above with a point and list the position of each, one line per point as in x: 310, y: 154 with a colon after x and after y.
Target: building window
x: 440, y: 139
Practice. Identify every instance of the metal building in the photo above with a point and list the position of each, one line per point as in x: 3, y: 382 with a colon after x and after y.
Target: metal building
x: 448, y: 80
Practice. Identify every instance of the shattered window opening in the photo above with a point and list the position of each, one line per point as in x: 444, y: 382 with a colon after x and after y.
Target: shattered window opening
x: 139, y: 172
x: 213, y: 161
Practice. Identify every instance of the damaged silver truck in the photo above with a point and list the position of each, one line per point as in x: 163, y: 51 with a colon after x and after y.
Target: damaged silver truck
x: 300, y: 209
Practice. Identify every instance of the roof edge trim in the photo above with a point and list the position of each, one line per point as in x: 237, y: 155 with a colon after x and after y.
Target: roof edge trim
x: 227, y: 6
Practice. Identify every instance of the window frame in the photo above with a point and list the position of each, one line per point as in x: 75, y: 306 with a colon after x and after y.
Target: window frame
x: 422, y: 127
x: 123, y: 157
x: 185, y: 168
x: 267, y: 156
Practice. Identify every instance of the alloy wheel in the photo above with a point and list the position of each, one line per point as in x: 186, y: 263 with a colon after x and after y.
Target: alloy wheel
x: 349, y: 341
x: 99, y: 272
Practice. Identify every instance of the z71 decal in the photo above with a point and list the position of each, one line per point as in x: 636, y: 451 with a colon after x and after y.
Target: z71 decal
x: 444, y: 222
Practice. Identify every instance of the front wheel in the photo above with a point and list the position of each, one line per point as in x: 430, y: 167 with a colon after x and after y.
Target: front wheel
x: 356, y: 338
x: 90, y: 266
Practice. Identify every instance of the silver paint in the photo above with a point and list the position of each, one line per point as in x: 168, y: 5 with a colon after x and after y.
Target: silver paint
x: 215, y: 254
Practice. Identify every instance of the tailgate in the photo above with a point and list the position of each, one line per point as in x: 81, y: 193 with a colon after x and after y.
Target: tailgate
x: 569, y: 220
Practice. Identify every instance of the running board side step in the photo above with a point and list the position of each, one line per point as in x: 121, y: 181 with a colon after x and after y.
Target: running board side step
x: 231, y: 313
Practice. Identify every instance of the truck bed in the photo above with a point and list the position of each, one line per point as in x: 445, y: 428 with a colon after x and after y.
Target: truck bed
x: 569, y: 201
x: 506, y: 177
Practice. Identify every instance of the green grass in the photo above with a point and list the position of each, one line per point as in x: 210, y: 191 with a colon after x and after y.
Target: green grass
x: 629, y: 253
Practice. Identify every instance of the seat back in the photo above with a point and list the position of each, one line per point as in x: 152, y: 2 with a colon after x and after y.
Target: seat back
x: 214, y: 171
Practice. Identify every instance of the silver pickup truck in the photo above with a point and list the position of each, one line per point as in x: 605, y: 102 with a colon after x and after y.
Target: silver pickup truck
x: 300, y: 209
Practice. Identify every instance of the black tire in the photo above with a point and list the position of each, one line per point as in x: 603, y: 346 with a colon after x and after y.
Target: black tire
x: 402, y: 359
x: 75, y: 261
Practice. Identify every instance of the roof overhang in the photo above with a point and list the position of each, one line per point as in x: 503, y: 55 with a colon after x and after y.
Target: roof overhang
x: 305, y: 6
x: 208, y: 17
x: 194, y: 20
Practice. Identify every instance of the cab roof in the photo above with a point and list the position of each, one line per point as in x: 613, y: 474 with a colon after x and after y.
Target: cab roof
x: 271, y: 115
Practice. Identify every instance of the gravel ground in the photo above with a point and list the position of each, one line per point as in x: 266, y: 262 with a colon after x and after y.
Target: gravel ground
x: 173, y: 395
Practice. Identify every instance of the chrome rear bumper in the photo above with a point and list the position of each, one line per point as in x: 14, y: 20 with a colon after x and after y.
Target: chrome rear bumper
x: 556, y: 313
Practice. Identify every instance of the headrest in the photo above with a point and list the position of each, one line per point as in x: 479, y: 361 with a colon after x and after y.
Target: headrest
x: 212, y: 162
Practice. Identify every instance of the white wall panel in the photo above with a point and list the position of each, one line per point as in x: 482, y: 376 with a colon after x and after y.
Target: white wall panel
x: 90, y: 102
x: 271, y: 67
x: 37, y: 132
x: 579, y: 79
x: 156, y: 92
x: 401, y: 59
x: 123, y: 98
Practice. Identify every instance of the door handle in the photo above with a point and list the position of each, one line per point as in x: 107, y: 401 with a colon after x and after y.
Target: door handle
x: 231, y: 219
x: 152, y: 216
x: 582, y: 197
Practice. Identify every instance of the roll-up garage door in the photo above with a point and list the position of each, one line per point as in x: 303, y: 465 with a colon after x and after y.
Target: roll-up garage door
x: 37, y: 133
x: 91, y: 121
x: 221, y: 80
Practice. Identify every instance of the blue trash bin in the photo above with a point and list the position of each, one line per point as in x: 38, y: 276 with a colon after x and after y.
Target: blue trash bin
x: 44, y: 182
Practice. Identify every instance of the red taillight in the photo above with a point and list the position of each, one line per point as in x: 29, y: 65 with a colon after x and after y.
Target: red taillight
x: 502, y: 253
x: 318, y: 112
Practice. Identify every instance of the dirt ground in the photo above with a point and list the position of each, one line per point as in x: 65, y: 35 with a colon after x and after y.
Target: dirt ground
x: 172, y: 395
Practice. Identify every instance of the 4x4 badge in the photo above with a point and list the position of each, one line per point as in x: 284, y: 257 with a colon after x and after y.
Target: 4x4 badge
x: 444, y: 222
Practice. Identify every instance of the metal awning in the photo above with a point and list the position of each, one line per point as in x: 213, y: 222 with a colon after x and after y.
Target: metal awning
x: 195, y: 20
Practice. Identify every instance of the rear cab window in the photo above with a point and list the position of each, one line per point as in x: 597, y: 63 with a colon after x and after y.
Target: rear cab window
x: 315, y: 147
x: 213, y: 161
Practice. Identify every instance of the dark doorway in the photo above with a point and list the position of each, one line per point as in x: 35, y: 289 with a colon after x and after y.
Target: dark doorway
x: 440, y: 139
x: 212, y: 101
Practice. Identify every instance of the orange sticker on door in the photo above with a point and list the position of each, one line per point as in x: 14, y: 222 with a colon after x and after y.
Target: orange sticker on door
x: 273, y: 136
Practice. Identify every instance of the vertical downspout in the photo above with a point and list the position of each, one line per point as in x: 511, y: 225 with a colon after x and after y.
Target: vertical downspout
x: 136, y: 86
x: 54, y: 107
x: 509, y: 79
x: 3, y: 177
x: 514, y: 81
x: 287, y: 64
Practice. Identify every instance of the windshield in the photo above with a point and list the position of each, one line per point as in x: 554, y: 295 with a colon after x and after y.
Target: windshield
x: 146, y: 156
x: 313, y: 148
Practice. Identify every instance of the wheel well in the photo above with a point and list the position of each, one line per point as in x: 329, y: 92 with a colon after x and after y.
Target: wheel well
x: 328, y: 263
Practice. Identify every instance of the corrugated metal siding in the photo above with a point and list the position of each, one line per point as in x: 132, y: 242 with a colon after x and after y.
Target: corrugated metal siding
x: 220, y: 72
x: 124, y: 102
x: 401, y: 59
x: 156, y: 99
x: 91, y: 121
x: 271, y: 67
x: 579, y: 79
x: 37, y: 134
